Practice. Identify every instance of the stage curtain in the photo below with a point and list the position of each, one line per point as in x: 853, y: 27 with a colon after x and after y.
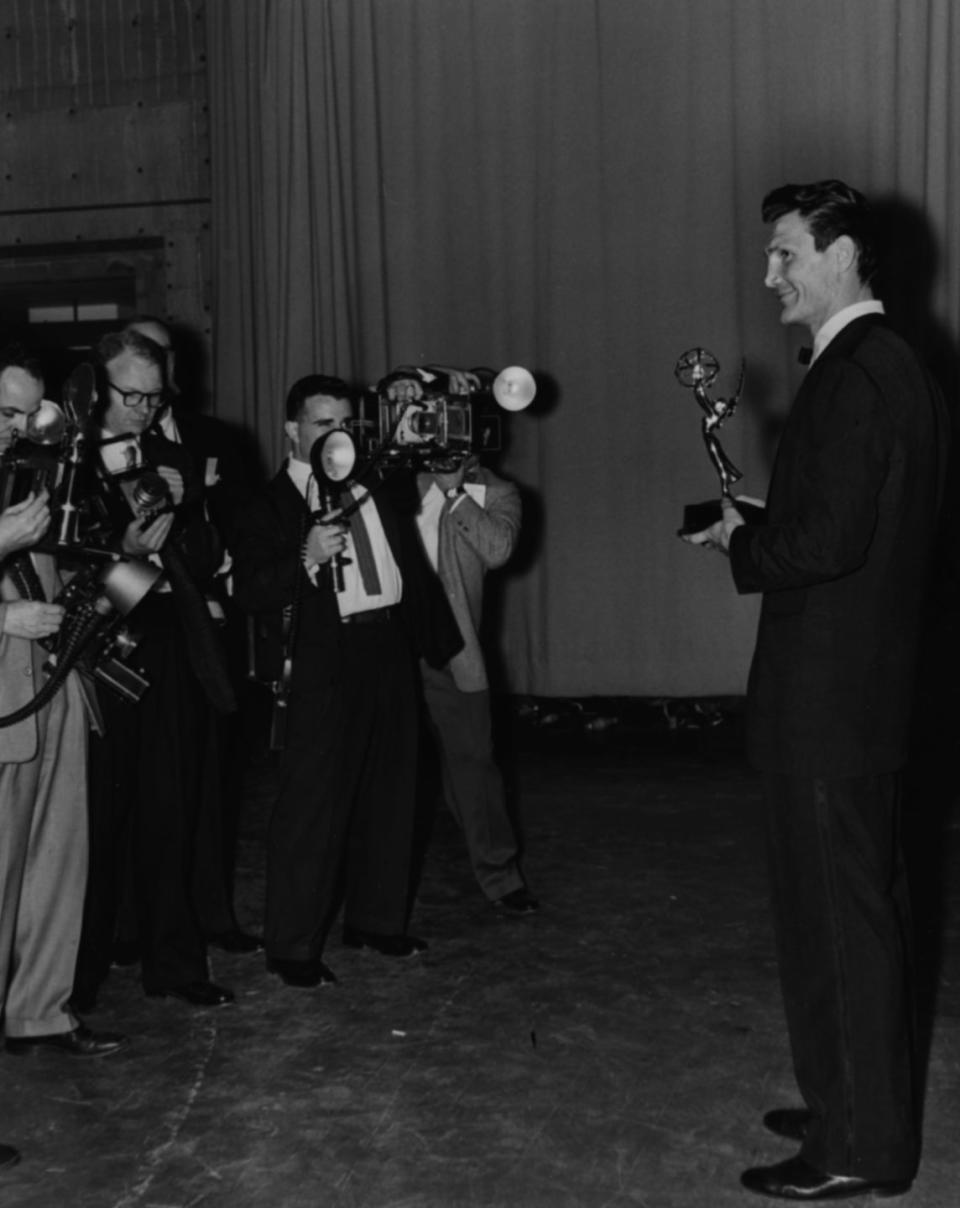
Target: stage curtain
x: 573, y: 186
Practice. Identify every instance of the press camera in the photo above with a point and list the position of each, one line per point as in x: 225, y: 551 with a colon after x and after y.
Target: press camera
x: 51, y: 455
x: 433, y: 417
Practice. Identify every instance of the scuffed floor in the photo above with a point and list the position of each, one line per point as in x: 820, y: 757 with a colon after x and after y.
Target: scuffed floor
x: 619, y: 1048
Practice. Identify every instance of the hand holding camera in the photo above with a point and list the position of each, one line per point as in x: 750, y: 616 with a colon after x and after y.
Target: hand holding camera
x: 144, y: 536
x: 32, y: 619
x: 325, y: 539
x: 24, y: 523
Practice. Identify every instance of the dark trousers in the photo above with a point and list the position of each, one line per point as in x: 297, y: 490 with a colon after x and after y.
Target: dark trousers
x: 343, y: 818
x: 146, y: 786
x: 842, y: 917
x: 472, y: 783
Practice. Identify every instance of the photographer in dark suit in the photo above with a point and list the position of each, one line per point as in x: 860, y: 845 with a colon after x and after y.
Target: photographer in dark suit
x: 346, y: 799
x: 147, y: 769
x: 842, y: 561
x: 218, y: 457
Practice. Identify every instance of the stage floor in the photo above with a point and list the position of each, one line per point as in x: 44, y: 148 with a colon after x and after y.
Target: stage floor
x: 618, y: 1048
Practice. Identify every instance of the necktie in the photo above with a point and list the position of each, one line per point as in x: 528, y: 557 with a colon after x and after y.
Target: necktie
x: 361, y: 544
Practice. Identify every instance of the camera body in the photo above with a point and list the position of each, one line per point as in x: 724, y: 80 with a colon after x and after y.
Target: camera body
x: 434, y: 418
x: 146, y: 492
x: 27, y: 468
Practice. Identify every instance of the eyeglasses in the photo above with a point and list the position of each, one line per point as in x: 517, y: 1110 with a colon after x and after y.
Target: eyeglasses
x: 133, y: 398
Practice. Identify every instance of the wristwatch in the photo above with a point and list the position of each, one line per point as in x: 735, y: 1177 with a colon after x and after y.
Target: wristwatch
x: 454, y: 492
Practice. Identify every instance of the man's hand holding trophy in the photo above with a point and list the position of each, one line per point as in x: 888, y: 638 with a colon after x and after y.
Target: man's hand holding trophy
x: 711, y: 524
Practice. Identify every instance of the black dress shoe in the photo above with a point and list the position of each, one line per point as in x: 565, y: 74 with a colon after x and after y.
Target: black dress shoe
x: 796, y: 1179
x: 305, y: 975
x: 517, y: 901
x: 386, y: 945
x: 236, y: 941
x: 81, y: 1042
x: 196, y: 993
x: 8, y: 1156
x: 790, y: 1122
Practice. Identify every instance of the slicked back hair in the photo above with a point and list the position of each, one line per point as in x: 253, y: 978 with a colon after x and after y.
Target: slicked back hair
x: 312, y: 385
x: 16, y: 356
x: 830, y: 209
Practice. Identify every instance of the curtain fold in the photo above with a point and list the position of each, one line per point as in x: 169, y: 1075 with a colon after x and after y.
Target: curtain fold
x: 575, y: 186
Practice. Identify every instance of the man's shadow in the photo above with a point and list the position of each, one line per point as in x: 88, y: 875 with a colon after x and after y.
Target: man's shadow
x: 909, y: 263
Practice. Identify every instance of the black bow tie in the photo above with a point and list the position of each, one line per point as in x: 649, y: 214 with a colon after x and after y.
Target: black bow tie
x: 805, y: 356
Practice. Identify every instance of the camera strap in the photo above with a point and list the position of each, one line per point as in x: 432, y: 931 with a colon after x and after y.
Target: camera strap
x: 288, y: 635
x: 25, y: 578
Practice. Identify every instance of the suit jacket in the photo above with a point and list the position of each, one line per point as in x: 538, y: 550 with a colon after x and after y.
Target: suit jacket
x: 191, y: 557
x: 473, y: 539
x: 843, y: 560
x: 220, y: 465
x: 21, y: 672
x: 269, y: 574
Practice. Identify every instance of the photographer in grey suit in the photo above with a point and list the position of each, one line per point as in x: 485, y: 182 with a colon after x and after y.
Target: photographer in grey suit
x: 43, y: 759
x: 469, y: 521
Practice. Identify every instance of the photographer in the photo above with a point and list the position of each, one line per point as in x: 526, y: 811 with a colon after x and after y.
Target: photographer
x: 227, y: 485
x: 469, y: 521
x: 43, y: 759
x: 347, y: 769
x: 147, y: 768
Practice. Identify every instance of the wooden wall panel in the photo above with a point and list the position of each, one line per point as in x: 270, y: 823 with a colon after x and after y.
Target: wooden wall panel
x: 105, y: 138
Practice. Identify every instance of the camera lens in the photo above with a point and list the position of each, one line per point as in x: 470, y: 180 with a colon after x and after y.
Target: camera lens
x: 149, y: 491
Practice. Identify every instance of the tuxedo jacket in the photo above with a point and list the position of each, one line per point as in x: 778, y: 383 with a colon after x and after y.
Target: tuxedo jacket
x: 269, y: 576
x: 843, y: 560
x: 473, y: 539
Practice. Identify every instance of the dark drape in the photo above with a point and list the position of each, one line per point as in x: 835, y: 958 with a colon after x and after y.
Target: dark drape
x: 574, y: 186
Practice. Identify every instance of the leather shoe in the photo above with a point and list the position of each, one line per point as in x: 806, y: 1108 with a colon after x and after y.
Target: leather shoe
x: 796, y: 1179
x: 517, y: 901
x: 386, y: 945
x: 236, y: 941
x: 305, y: 975
x: 8, y: 1156
x: 790, y: 1122
x: 196, y: 993
x: 81, y: 1042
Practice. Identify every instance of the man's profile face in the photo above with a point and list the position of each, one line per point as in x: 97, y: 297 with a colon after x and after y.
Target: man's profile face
x: 320, y: 414
x: 20, y: 395
x: 129, y: 372
x: 806, y: 281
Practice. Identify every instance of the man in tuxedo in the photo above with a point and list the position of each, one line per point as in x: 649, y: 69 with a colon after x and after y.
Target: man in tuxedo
x: 43, y: 803
x: 147, y: 769
x: 346, y: 604
x: 842, y: 560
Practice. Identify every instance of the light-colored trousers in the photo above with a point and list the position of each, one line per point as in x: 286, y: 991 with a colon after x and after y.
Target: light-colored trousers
x: 472, y: 784
x: 43, y: 869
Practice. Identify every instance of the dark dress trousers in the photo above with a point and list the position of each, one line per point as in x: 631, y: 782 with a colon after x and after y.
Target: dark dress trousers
x: 843, y: 564
x: 147, y: 773
x: 228, y: 477
x: 343, y: 817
